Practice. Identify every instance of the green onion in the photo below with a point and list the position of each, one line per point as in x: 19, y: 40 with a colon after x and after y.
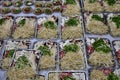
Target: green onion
x: 70, y: 2
x: 22, y: 62
x: 68, y: 78
x: 2, y: 21
x: 92, y: 1
x: 10, y: 54
x: 100, y: 45
x: 97, y: 17
x: 112, y: 76
x: 116, y: 20
x: 111, y: 2
x: 50, y: 24
x: 71, y: 48
x: 72, y: 22
x: 22, y: 22
x: 45, y: 50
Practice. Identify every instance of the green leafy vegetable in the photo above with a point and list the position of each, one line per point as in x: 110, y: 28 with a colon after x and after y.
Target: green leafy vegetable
x: 97, y: 17
x: 72, y: 22
x: 45, y: 50
x: 50, y: 24
x: 69, y: 78
x: 2, y: 21
x: 71, y: 48
x: 111, y: 2
x: 92, y: 1
x: 116, y: 20
x: 22, y: 62
x: 70, y: 2
x: 22, y: 22
x: 11, y: 52
x: 18, y: 3
x: 48, y: 11
x: 100, y: 45
x: 112, y: 76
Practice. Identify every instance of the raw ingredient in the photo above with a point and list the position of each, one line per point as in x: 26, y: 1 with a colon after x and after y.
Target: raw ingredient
x: 116, y: 20
x: 72, y: 22
x: 50, y: 24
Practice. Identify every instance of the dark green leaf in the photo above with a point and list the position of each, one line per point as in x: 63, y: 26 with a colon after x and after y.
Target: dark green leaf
x: 2, y: 21
x: 70, y: 2
x: 71, y: 48
x: 72, y: 22
x: 45, y: 50
x: 112, y: 76
x: 116, y: 20
x: 22, y: 22
x: 111, y: 2
x: 69, y: 78
x: 97, y: 17
x: 22, y: 62
x: 100, y: 45
x: 50, y: 24
x: 92, y: 1
x: 10, y: 54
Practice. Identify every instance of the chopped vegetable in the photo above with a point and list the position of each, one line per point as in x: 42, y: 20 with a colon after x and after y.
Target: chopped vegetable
x: 116, y: 20
x: 10, y: 54
x: 111, y: 2
x: 2, y: 21
x: 70, y: 2
x: 50, y: 24
x: 45, y: 50
x: 100, y: 45
x: 48, y: 11
x: 72, y: 22
x: 22, y: 22
x: 18, y: 3
x: 71, y: 48
x: 112, y: 76
x: 16, y: 10
x: 97, y: 17
x: 22, y: 62
x: 69, y: 78
x: 92, y: 1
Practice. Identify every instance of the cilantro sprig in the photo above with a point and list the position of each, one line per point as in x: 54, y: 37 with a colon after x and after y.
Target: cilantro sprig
x: 116, y: 20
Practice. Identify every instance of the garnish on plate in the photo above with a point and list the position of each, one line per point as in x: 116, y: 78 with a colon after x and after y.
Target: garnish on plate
x: 47, y: 11
x: 2, y: 21
x: 45, y: 50
x: 22, y: 22
x: 11, y: 52
x: 21, y: 62
x: 92, y: 1
x: 72, y: 22
x: 71, y: 48
x: 70, y: 2
x: 50, y: 24
x: 100, y: 45
x: 18, y: 3
x: 116, y: 20
x: 111, y: 2
x: 112, y: 76
x: 97, y: 17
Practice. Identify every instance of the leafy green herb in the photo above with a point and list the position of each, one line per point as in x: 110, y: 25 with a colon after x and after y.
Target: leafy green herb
x: 45, y: 50
x: 22, y: 22
x: 112, y: 76
x: 72, y: 22
x: 50, y: 24
x: 97, y: 17
x: 22, y: 62
x: 116, y: 20
x: 18, y: 3
x: 70, y: 2
x: 48, y: 11
x: 111, y: 2
x: 71, y: 48
x: 2, y: 21
x: 100, y: 45
x: 11, y: 52
x: 92, y: 1
x: 69, y: 78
